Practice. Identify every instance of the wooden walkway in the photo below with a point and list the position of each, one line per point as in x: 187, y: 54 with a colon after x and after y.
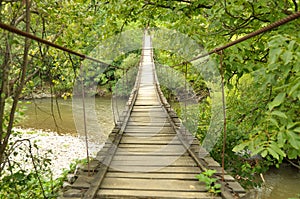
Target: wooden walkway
x: 150, y: 155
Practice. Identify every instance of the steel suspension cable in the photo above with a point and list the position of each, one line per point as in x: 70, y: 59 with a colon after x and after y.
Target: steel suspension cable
x: 83, y: 56
x: 250, y: 35
x: 38, y: 39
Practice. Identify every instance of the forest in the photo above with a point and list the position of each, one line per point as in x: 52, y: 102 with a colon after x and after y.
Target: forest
x: 261, y: 75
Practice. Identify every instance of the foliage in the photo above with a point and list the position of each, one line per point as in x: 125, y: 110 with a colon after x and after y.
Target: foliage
x: 262, y: 74
x: 276, y: 134
x: 125, y: 75
x: 27, y: 174
x: 210, y: 181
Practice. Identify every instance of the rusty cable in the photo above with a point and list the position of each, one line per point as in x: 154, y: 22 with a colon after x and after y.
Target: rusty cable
x: 83, y: 56
x: 38, y: 39
x: 250, y: 35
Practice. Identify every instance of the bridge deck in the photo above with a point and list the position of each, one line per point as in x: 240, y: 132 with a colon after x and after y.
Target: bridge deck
x: 148, y: 158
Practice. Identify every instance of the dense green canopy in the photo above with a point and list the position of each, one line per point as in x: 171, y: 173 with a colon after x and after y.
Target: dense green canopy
x: 262, y: 74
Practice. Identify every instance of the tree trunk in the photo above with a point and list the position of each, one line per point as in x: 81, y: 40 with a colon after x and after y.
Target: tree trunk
x: 5, y: 136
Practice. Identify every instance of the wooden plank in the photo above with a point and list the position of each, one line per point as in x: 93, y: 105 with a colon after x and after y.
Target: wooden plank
x: 154, y: 135
x: 149, y: 113
x: 153, y: 123
x: 82, y: 182
x: 149, y: 130
x: 154, y: 146
x: 153, y: 161
x: 147, y: 97
x: 147, y: 119
x: 169, y: 169
x: 160, y: 124
x: 150, y: 140
x: 153, y: 139
x: 146, y: 102
x: 236, y: 187
x: 148, y: 134
x: 151, y: 158
x: 74, y: 193
x: 229, y: 178
x: 150, y: 127
x: 183, y: 176
x: 149, y: 162
x: 141, y: 164
x: 148, y: 85
x: 146, y: 124
x: 141, y: 107
x: 152, y: 150
x: 211, y: 162
x: 116, y: 194
x: 157, y: 153
x: 147, y: 108
x: 152, y: 184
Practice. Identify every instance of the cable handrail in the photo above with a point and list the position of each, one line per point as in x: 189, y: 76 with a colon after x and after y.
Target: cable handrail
x: 216, y: 50
x: 248, y: 36
x: 38, y: 39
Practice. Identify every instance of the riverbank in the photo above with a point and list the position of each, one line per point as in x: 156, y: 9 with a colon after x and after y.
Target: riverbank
x: 61, y: 150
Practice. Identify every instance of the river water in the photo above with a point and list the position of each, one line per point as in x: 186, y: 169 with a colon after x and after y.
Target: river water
x: 282, y: 183
x: 59, y: 117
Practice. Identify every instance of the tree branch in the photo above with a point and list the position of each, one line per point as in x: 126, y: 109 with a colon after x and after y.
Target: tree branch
x: 192, y: 3
x: 292, y: 163
x: 159, y: 5
x: 18, y: 90
x: 174, y: 7
x: 296, y: 5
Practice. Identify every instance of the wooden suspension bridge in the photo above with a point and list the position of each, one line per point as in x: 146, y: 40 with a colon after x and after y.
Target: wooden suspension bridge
x: 150, y: 155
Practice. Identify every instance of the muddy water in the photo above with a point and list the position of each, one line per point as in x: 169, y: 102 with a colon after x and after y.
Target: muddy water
x: 282, y: 183
x: 40, y: 115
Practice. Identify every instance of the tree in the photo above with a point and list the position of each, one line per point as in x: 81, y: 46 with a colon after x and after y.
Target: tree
x: 28, y: 66
x: 16, y: 90
x: 268, y: 123
x: 269, y: 63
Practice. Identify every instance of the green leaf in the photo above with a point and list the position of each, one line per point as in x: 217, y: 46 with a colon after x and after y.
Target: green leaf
x: 274, y: 54
x: 293, y: 153
x: 279, y: 114
x: 209, y: 172
x: 294, y: 139
x: 281, y: 139
x: 297, y: 129
x: 217, y: 186
x: 277, y: 101
x: 240, y: 147
x: 257, y: 151
x: 273, y: 153
x: 294, y: 88
x: 276, y: 148
x: 273, y: 121
x: 291, y: 125
x: 291, y: 45
x: 287, y: 57
x: 264, y: 153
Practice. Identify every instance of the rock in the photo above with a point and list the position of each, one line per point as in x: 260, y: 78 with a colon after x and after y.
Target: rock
x: 66, y: 185
x: 65, y: 149
x: 71, y: 178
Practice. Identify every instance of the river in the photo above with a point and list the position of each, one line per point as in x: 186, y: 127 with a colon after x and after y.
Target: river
x: 282, y: 183
x: 58, y: 117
